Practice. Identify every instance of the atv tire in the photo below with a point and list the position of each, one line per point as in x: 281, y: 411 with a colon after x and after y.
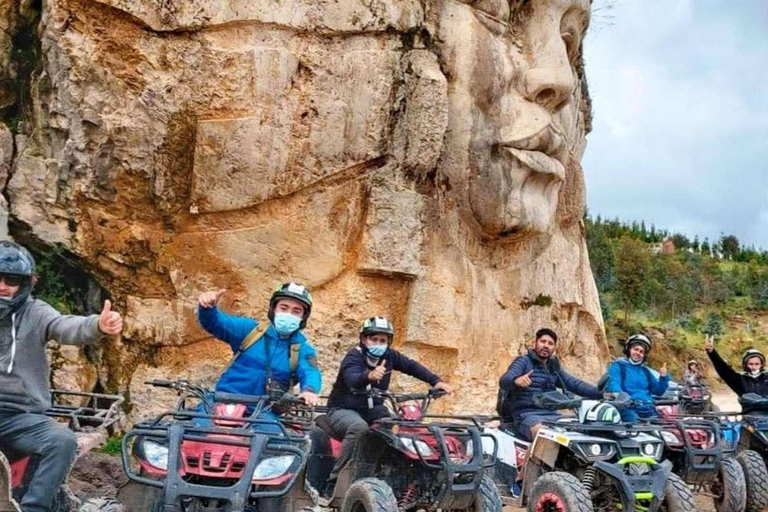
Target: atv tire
x: 733, y: 487
x: 559, y: 491
x: 487, y: 497
x: 677, y: 496
x: 756, y: 477
x: 369, y: 495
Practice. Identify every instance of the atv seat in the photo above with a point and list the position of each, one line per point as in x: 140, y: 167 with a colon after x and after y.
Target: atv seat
x: 323, y: 424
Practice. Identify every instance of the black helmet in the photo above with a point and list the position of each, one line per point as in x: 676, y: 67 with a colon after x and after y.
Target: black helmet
x: 749, y: 354
x: 377, y: 325
x: 16, y: 260
x: 293, y: 291
x: 637, y: 339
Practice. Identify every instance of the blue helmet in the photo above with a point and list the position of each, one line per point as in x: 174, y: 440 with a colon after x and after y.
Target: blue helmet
x: 16, y: 260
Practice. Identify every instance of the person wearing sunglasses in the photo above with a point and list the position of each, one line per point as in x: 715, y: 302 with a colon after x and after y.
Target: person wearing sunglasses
x: 26, y: 325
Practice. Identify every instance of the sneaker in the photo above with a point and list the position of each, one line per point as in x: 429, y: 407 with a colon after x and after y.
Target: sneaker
x: 516, y: 489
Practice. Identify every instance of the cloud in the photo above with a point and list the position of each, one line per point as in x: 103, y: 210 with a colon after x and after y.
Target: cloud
x: 681, y: 116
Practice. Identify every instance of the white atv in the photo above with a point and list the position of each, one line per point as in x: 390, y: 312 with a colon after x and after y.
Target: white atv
x: 588, y: 462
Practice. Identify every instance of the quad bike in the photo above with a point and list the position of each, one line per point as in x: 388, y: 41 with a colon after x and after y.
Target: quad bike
x: 411, y: 461
x: 701, y: 450
x: 695, y: 399
x: 579, y: 464
x: 222, y: 456
x: 753, y: 449
x: 90, y: 422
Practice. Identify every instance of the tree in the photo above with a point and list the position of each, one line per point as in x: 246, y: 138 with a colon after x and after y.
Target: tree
x: 714, y: 325
x: 729, y: 246
x: 681, y: 241
x: 706, y: 249
x: 633, y: 269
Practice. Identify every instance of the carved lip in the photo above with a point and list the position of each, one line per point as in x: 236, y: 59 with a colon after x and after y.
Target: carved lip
x: 543, y: 152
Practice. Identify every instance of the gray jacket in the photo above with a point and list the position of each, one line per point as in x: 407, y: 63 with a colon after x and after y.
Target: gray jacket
x: 24, y: 369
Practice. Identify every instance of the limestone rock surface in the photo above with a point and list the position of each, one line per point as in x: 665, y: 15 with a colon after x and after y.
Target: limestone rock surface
x: 409, y: 158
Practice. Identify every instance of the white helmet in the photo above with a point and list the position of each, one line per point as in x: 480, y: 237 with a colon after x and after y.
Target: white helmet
x: 599, y: 412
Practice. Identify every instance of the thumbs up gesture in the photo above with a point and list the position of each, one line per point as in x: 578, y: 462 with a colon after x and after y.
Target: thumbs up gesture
x: 524, y: 380
x: 378, y: 373
x: 663, y: 370
x: 110, y: 322
x: 210, y: 299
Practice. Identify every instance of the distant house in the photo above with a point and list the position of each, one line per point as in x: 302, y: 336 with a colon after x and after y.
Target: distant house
x: 665, y: 247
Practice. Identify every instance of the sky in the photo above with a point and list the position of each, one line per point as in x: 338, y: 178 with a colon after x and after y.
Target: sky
x: 680, y: 102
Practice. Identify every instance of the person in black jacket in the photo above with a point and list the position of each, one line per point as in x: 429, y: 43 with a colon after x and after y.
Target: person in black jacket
x: 532, y: 374
x: 753, y: 379
x: 370, y: 364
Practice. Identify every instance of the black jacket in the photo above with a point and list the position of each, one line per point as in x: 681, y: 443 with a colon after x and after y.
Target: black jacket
x: 740, y: 383
x: 353, y: 376
x: 546, y: 376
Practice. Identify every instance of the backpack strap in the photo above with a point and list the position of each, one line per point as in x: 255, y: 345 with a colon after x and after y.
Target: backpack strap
x: 295, y: 349
x: 251, y: 339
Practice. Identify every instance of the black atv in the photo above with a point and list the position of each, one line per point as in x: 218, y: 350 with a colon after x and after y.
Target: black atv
x: 410, y: 461
x: 702, y: 451
x: 753, y: 449
x: 221, y: 453
x: 582, y: 464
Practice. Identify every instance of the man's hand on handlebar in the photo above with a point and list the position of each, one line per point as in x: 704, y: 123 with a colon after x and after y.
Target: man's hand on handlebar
x: 444, y: 386
x: 310, y: 398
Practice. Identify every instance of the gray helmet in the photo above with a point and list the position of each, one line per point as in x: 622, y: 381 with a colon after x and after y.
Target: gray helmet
x: 16, y: 260
x: 638, y: 339
x: 749, y: 354
x: 377, y: 325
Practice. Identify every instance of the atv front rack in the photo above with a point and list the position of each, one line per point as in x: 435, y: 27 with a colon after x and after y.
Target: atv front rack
x: 261, y: 444
x: 100, y: 411
x: 700, y: 463
x: 461, y: 477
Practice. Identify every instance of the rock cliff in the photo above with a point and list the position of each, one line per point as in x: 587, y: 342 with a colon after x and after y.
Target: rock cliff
x: 418, y: 159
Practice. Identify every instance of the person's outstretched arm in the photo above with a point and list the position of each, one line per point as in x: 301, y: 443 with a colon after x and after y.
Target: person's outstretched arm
x: 731, y: 378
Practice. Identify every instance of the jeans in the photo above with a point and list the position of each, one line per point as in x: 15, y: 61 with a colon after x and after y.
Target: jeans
x: 349, y: 425
x: 54, y: 444
x: 641, y: 412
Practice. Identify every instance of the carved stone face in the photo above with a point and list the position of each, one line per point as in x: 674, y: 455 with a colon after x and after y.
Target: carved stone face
x: 513, y: 90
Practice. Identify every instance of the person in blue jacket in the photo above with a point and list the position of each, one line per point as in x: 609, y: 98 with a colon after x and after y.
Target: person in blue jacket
x: 369, y: 364
x: 532, y: 374
x: 265, y: 363
x: 630, y: 375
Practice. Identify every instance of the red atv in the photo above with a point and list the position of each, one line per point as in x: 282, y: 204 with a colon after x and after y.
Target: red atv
x: 90, y: 422
x: 219, y: 454
x: 412, y: 461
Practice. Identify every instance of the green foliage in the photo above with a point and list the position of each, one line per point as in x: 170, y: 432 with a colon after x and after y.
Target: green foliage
x: 714, y: 325
x: 113, y: 446
x: 59, y: 287
x: 633, y: 269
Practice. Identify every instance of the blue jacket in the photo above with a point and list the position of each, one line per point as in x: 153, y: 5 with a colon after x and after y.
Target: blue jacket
x: 546, y: 376
x: 353, y: 377
x: 639, y: 383
x: 247, y: 375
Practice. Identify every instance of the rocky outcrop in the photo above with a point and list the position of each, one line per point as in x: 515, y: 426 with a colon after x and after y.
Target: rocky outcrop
x: 418, y: 160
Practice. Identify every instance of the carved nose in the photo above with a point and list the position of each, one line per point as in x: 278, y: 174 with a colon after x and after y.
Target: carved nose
x: 551, y: 88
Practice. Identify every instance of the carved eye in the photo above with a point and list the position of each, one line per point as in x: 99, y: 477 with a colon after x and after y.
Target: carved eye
x: 494, y: 14
x: 572, y: 45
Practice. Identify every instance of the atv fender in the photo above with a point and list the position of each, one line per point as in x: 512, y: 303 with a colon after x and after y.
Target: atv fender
x: 546, y: 450
x: 657, y: 478
x: 7, y: 503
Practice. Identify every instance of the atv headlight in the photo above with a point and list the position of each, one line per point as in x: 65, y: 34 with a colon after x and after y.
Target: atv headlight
x: 423, y: 448
x: 670, y: 438
x: 595, y: 451
x: 156, y: 454
x: 652, y: 450
x: 273, y: 467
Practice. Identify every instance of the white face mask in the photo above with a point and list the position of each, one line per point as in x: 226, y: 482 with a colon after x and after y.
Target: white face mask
x: 755, y: 373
